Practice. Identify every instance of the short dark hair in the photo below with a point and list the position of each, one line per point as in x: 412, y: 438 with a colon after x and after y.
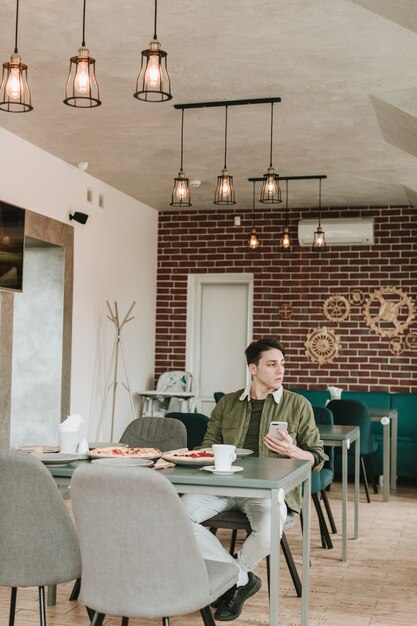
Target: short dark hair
x: 254, y: 350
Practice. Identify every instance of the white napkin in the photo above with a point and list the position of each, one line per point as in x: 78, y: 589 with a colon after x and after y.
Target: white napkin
x: 335, y: 392
x: 72, y: 423
x: 83, y: 447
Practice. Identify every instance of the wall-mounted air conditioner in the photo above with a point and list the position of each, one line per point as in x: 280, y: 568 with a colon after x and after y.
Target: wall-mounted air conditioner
x: 350, y: 231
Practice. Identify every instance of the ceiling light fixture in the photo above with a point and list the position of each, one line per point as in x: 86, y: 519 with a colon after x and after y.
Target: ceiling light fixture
x: 270, y: 192
x: 181, y: 195
x: 81, y: 90
x: 15, y: 96
x: 285, y: 241
x: 153, y: 83
x: 319, y: 241
x: 253, y: 241
x: 225, y: 193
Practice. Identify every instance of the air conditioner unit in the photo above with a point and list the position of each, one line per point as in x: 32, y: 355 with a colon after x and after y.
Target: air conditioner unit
x: 343, y: 231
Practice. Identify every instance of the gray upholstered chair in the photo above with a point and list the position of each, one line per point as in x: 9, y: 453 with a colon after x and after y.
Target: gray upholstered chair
x: 134, y: 518
x: 38, y: 542
x: 155, y: 432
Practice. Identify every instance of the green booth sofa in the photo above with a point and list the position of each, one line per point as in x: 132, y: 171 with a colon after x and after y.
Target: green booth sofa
x: 406, y: 405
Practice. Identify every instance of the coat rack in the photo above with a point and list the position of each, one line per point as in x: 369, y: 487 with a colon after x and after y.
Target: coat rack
x: 114, y: 366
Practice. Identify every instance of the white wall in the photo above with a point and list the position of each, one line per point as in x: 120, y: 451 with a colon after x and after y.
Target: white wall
x: 115, y: 258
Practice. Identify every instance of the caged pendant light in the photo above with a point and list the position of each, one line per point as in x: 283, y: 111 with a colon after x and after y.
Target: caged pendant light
x: 225, y: 193
x: 285, y: 241
x: 153, y: 83
x: 270, y: 192
x: 319, y: 240
x: 81, y: 90
x: 15, y: 96
x: 253, y: 241
x: 181, y: 196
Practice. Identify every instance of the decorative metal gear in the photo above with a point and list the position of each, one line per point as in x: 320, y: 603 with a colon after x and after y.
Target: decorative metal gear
x: 336, y: 308
x: 396, y: 346
x: 389, y: 311
x: 322, y: 345
x: 356, y: 297
x: 285, y: 311
x: 411, y: 340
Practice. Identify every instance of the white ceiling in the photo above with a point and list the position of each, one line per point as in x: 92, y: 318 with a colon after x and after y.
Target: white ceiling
x: 345, y: 70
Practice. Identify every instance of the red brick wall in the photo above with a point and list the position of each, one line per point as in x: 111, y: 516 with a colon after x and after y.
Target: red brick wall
x: 208, y: 241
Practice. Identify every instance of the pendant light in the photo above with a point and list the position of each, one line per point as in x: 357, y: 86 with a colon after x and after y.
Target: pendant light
x: 253, y: 241
x: 153, y: 83
x: 181, y: 196
x: 225, y: 193
x: 319, y: 241
x: 15, y: 96
x: 81, y: 90
x: 285, y: 241
x: 270, y: 192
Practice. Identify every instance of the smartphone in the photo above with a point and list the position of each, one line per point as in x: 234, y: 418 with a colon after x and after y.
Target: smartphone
x: 275, y: 427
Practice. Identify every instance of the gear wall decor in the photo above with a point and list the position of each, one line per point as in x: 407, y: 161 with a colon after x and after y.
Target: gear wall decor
x: 356, y: 297
x: 396, y: 346
x: 336, y: 308
x: 389, y: 311
x: 411, y: 340
x: 322, y: 345
x: 285, y: 311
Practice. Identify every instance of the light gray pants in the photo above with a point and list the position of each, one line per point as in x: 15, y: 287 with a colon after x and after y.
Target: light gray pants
x: 258, y: 510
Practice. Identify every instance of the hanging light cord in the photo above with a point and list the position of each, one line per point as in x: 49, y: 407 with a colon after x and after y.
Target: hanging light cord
x: 17, y: 21
x: 154, y: 27
x: 83, y: 41
x: 319, y: 202
x: 182, y: 135
x: 286, y: 203
x: 225, y: 140
x: 272, y: 127
x: 253, y: 206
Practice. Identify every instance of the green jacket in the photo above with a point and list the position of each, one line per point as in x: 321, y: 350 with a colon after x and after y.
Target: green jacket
x: 230, y: 418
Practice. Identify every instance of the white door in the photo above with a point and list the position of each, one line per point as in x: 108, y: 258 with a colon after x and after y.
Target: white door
x: 219, y: 327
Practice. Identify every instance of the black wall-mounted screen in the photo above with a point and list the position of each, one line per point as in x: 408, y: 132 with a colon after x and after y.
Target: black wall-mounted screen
x: 12, y: 243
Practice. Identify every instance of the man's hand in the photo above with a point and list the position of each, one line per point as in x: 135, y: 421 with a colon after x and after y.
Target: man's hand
x: 282, y: 446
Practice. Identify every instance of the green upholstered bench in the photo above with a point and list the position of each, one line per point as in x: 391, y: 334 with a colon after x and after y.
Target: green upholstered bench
x: 406, y: 405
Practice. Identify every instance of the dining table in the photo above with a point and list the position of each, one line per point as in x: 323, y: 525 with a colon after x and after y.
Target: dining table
x: 342, y: 437
x: 260, y: 478
x: 389, y: 421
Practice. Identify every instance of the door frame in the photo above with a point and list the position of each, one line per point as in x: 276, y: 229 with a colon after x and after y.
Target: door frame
x: 194, y: 288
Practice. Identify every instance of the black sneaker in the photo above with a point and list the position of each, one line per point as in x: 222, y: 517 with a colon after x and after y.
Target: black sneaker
x: 231, y: 609
x: 225, y: 598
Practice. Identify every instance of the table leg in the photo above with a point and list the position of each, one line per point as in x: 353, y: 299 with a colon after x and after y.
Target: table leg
x: 357, y: 479
x: 306, y: 552
x: 344, y: 498
x: 394, y: 438
x: 274, y: 560
x: 386, y: 466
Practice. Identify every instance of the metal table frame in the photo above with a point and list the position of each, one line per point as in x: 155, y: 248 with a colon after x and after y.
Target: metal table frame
x: 389, y: 421
x: 342, y: 437
x: 261, y: 478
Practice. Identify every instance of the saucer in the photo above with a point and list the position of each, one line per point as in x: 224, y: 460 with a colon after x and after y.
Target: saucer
x: 232, y: 470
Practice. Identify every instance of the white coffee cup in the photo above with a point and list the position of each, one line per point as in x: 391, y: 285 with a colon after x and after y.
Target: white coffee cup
x: 68, y: 441
x: 224, y: 455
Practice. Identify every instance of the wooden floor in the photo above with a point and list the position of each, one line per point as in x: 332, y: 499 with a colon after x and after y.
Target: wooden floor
x: 376, y: 587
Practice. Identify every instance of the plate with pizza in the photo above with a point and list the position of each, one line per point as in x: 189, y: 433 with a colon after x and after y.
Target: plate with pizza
x: 124, y: 452
x: 190, y: 457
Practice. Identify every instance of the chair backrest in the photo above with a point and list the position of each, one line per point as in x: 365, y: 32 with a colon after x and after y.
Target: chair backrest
x: 196, y: 425
x: 217, y: 395
x: 139, y: 553
x: 354, y: 413
x: 323, y: 415
x: 174, y: 381
x: 38, y: 542
x: 155, y: 432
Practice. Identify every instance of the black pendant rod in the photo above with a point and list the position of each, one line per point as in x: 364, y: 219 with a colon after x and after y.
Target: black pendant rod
x: 286, y: 202
x: 224, y: 103
x: 17, y: 22
x: 225, y: 140
x: 154, y: 23
x: 272, y: 128
x: 182, y: 136
x: 320, y: 203
x: 253, y: 205
x: 83, y: 42
x: 277, y: 177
